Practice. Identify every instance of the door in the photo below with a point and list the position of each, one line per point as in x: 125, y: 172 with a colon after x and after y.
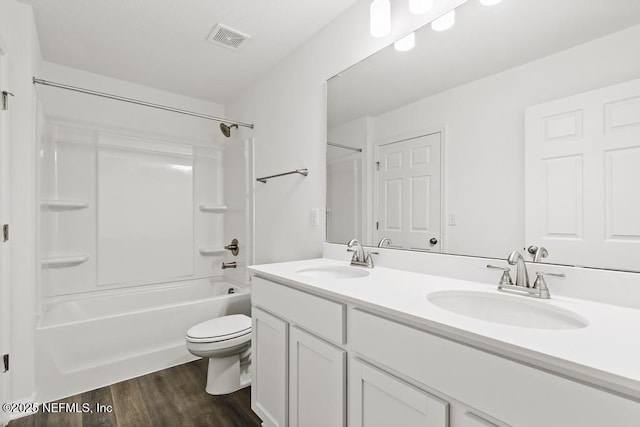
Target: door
x: 382, y: 400
x: 269, y: 392
x: 409, y: 193
x: 4, y: 246
x: 581, y: 177
x: 316, y: 382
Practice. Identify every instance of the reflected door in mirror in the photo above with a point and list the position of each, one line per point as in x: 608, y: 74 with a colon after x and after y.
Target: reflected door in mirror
x: 409, y: 193
x: 582, y: 157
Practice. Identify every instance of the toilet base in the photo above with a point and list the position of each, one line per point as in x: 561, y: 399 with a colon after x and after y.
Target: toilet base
x: 225, y: 375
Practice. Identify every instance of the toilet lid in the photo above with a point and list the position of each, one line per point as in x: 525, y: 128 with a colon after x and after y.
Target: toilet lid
x: 221, y: 328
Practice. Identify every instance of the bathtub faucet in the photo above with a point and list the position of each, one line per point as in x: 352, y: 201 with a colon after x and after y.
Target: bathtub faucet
x: 228, y: 265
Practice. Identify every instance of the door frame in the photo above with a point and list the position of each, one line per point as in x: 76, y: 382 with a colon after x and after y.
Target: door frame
x: 4, y: 219
x: 442, y: 130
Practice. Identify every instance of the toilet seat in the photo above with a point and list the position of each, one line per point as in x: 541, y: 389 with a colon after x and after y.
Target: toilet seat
x: 236, y: 328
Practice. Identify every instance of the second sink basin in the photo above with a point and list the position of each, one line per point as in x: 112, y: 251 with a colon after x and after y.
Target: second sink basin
x: 333, y: 272
x: 507, y: 309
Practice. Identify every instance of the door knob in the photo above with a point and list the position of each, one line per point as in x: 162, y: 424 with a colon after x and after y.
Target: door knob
x: 433, y: 241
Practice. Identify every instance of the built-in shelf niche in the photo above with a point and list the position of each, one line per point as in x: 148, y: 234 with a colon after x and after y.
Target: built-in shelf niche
x: 64, y: 261
x: 64, y: 205
x: 206, y: 251
x: 212, y: 208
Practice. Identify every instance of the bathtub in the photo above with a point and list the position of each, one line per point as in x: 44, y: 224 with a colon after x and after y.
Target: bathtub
x: 87, y: 342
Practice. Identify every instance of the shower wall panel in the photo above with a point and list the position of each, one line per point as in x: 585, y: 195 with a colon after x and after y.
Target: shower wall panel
x: 145, y: 212
x: 123, y: 209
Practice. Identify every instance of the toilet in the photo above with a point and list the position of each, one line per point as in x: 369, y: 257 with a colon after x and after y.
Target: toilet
x: 226, y: 342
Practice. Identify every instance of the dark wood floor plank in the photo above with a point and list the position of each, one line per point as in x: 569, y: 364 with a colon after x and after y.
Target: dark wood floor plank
x: 63, y: 413
x: 172, y: 397
x: 159, y: 387
x: 101, y: 408
x: 128, y: 404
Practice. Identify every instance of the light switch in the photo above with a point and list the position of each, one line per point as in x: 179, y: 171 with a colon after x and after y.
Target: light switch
x: 315, y: 217
x: 452, y: 220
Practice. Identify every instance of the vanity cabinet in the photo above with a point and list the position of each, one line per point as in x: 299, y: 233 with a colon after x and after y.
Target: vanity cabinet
x: 400, y: 373
x: 512, y: 392
x: 299, y: 373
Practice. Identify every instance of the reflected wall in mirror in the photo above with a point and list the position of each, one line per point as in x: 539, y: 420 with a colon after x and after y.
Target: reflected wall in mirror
x: 519, y: 126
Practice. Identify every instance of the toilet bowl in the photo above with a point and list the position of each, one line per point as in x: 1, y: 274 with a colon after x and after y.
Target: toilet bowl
x: 226, y: 342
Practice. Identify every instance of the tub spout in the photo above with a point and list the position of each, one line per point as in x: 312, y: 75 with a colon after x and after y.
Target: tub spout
x: 228, y: 265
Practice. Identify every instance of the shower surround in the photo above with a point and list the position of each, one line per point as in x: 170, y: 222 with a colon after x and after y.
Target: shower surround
x: 133, y: 222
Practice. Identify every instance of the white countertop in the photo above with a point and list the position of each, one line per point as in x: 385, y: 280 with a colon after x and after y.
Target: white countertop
x: 605, y: 354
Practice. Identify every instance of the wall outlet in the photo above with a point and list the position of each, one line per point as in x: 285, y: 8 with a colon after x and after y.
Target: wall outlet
x: 315, y: 217
x: 452, y: 220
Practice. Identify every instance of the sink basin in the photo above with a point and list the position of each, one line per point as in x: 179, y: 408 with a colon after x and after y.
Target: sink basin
x: 507, y: 309
x: 333, y: 272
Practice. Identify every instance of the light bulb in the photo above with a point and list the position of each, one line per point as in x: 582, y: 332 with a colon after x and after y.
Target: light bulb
x: 418, y: 7
x: 380, y: 18
x: 445, y: 22
x: 489, y: 2
x: 406, y: 43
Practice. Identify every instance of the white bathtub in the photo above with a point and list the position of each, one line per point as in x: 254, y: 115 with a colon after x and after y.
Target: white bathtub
x: 92, y: 341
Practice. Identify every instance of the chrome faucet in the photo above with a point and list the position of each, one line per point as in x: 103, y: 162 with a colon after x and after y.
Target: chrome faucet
x: 522, y: 286
x: 360, y: 257
x: 522, y: 277
x: 385, y: 241
x: 538, y: 252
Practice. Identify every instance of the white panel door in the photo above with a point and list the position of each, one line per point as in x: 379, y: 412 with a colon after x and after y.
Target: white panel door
x: 381, y: 400
x: 269, y: 392
x: 317, y: 382
x: 582, y: 173
x: 409, y: 193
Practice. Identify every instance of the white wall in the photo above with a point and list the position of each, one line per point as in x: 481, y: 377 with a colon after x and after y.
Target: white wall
x: 288, y: 108
x: 18, y: 28
x: 484, y: 137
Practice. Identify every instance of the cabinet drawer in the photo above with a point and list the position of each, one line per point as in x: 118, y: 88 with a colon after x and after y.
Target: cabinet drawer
x: 511, y: 392
x: 322, y: 317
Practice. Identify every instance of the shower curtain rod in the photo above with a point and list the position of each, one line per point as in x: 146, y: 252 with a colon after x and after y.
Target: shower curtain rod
x: 138, y: 102
x: 346, y: 147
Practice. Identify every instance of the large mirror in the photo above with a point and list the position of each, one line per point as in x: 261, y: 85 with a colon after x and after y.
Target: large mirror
x: 518, y: 127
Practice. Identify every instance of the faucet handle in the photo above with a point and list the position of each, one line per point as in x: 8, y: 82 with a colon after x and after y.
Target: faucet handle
x: 541, y: 274
x: 506, y: 277
x: 541, y: 286
x: 369, y: 258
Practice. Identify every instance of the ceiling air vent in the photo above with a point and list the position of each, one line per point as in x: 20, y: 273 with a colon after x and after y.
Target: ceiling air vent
x: 228, y: 37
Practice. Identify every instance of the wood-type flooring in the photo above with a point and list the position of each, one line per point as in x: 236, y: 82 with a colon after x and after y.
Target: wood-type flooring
x: 171, y: 397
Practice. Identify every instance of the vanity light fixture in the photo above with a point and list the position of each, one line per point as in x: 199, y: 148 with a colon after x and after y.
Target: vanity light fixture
x: 418, y: 7
x: 445, y: 22
x: 489, y: 2
x: 380, y: 18
x: 406, y: 43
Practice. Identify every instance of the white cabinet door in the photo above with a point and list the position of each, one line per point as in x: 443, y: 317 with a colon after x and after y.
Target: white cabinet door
x: 381, y: 400
x: 409, y: 193
x: 317, y: 382
x: 269, y: 382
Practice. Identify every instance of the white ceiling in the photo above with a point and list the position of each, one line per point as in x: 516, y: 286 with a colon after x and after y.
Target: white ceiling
x: 163, y: 43
x: 484, y: 41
